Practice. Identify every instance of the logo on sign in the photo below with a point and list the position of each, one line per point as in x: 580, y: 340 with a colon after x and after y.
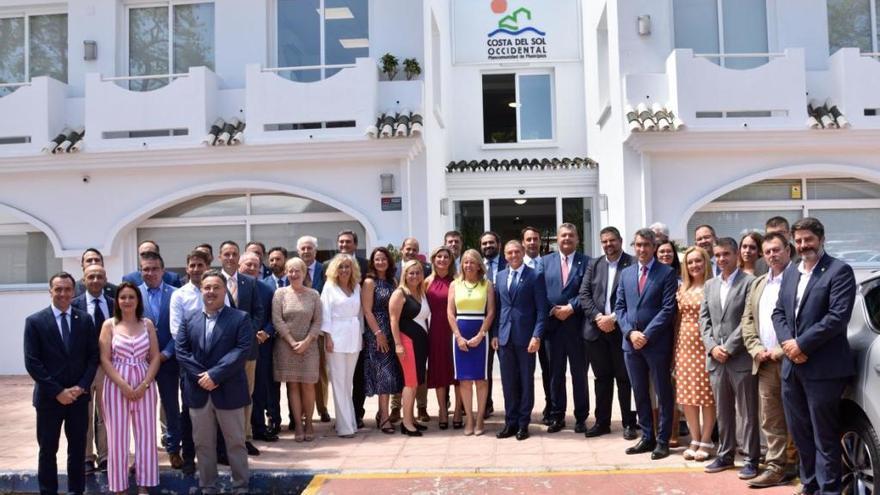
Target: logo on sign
x: 515, y: 37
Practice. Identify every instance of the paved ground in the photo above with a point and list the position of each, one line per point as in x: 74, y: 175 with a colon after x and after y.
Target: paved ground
x: 482, y: 463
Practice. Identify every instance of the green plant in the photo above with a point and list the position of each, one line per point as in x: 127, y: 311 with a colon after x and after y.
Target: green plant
x: 411, y: 68
x: 389, y: 66
x: 395, y: 253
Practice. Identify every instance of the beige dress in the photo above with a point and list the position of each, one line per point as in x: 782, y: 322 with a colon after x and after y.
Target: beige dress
x: 296, y: 314
x: 692, y: 386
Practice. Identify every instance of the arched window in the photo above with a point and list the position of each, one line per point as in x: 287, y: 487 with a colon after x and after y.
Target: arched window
x: 26, y: 255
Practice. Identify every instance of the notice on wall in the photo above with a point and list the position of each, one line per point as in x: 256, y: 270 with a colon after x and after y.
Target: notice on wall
x: 394, y: 203
x: 515, y: 31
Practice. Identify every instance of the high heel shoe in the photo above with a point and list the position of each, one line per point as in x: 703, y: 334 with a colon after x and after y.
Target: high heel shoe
x: 420, y: 426
x: 410, y: 433
x: 457, y: 425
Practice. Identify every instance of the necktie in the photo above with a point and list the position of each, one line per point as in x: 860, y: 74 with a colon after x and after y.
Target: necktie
x: 154, y: 302
x: 492, y: 270
x: 65, y: 331
x: 232, y: 287
x: 513, y: 281
x: 643, y: 279
x: 565, y: 270
x: 98, y: 316
x: 277, y: 282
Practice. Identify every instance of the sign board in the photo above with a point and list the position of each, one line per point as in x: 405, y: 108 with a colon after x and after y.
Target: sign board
x: 515, y: 31
x: 392, y: 204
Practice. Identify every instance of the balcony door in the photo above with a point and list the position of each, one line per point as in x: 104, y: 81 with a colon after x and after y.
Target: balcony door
x: 732, y: 30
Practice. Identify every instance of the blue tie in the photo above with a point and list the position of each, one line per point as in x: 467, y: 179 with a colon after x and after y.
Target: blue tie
x: 65, y: 331
x: 513, y: 281
x: 155, y: 302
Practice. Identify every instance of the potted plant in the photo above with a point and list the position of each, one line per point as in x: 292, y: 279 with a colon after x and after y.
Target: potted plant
x: 411, y: 68
x: 389, y: 66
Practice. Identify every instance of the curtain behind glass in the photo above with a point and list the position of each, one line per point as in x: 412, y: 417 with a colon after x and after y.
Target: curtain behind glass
x: 745, y: 31
x: 696, y: 25
x: 148, y: 46
x: 536, y: 110
x: 193, y: 36
x: 339, y: 31
x: 11, y: 52
x: 299, y: 38
x: 48, y: 46
x: 849, y: 25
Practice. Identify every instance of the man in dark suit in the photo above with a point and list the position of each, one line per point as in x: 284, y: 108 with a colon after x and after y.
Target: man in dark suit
x: 170, y: 278
x: 522, y: 313
x: 99, y: 306
x: 242, y: 294
x: 92, y: 256
x: 307, y: 248
x: 490, y: 243
x: 212, y: 347
x: 705, y: 237
x: 347, y: 243
x: 728, y: 362
x: 563, y: 273
x: 259, y: 249
x: 156, y: 295
x: 602, y: 338
x: 61, y: 355
x: 645, y: 310
x: 531, y: 241
x: 814, y: 306
x: 277, y: 258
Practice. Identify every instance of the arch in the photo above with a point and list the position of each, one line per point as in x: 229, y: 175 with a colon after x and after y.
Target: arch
x: 150, y: 209
x: 39, y: 224
x: 818, y: 169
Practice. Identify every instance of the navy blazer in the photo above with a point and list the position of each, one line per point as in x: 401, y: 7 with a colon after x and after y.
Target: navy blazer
x: 266, y: 290
x: 79, y: 302
x: 271, y: 281
x: 652, y: 312
x: 318, y: 282
x: 595, y: 288
x: 522, y: 311
x: 557, y: 295
x: 49, y: 363
x: 80, y: 288
x: 820, y: 327
x: 249, y: 301
x: 170, y: 278
x: 162, y: 321
x: 223, y: 358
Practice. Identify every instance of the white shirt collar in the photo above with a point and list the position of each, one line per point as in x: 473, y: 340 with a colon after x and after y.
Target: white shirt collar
x: 729, y: 279
x: 57, y: 312
x: 649, y: 265
x: 777, y: 279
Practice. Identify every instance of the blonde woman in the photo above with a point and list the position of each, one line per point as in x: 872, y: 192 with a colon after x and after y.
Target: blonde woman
x: 409, y: 326
x: 296, y: 315
x: 470, y: 311
x: 342, y: 324
x: 692, y: 389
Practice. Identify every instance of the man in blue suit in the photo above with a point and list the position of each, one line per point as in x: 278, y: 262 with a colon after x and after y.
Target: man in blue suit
x: 170, y: 278
x: 212, y: 347
x: 814, y: 306
x: 157, y: 307
x: 61, y: 355
x: 277, y: 259
x: 531, y: 240
x: 277, y: 279
x: 563, y: 273
x: 522, y: 313
x: 645, y: 310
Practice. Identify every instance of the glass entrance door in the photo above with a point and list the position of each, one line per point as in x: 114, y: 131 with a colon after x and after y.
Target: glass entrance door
x: 509, y: 216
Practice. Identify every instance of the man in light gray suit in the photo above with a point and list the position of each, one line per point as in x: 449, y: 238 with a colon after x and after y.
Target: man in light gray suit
x: 728, y: 362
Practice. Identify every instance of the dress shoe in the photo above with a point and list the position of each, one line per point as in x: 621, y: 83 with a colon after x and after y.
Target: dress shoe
x: 556, y: 426
x: 630, y: 433
x: 642, y: 447
x: 719, y: 465
x: 189, y: 468
x: 522, y: 434
x: 580, y: 427
x: 102, y: 466
x: 175, y: 460
x: 265, y: 436
x: 410, y: 433
x: 420, y: 426
x: 506, y: 432
x: 274, y: 429
x: 251, y: 450
x: 597, y: 431
x: 89, y: 467
x: 748, y: 471
x: 423, y: 415
x: 360, y: 423
x: 546, y: 421
x: 769, y: 478
x: 325, y: 417
x: 661, y: 451
x: 394, y: 417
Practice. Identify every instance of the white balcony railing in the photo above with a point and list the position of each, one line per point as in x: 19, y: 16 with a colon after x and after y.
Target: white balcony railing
x: 706, y: 95
x: 176, y: 114
x: 855, y: 86
x: 32, y: 114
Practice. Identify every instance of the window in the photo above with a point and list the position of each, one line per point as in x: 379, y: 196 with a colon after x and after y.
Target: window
x: 853, y: 23
x: 320, y: 37
x: 725, y: 27
x: 517, y: 108
x: 26, y: 255
x: 156, y: 49
x: 32, y: 46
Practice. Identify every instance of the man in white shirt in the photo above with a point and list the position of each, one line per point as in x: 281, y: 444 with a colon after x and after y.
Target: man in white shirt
x: 531, y: 240
x: 760, y: 340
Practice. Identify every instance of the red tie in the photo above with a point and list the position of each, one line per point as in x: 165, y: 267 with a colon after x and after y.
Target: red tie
x: 643, y: 279
x: 564, y: 270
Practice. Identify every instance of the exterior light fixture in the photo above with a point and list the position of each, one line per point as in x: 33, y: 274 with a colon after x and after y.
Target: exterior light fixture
x: 644, y: 25
x: 387, y: 181
x: 520, y: 201
x: 90, y: 50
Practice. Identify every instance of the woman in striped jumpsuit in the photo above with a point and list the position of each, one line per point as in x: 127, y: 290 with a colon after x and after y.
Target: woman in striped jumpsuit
x: 130, y: 358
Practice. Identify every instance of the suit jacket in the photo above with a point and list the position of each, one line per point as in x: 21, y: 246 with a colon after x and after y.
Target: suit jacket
x: 109, y: 289
x: 724, y: 326
x: 249, y: 301
x: 170, y: 278
x: 522, y: 311
x: 79, y: 302
x: 264, y: 271
x: 318, y: 282
x: 557, y: 295
x: 223, y: 357
x: 750, y: 321
x: 363, y: 264
x: 48, y: 361
x: 271, y: 281
x: 652, y: 312
x: 162, y: 321
x: 820, y: 325
x: 502, y: 264
x: 266, y: 290
x: 594, y: 289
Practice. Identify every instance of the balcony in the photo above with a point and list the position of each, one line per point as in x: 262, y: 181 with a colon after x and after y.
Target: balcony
x: 707, y: 96
x: 33, y: 114
x: 175, y: 115
x: 855, y: 86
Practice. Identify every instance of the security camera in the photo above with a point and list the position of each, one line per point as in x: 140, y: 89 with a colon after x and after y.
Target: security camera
x: 522, y: 191
x: 86, y: 179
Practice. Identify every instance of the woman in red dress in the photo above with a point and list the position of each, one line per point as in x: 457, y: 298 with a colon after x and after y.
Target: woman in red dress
x: 440, y: 369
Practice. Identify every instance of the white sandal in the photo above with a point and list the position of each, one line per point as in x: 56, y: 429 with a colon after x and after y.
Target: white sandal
x: 690, y: 453
x: 704, y: 455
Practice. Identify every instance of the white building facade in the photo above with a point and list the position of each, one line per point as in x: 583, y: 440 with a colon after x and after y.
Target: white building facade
x: 518, y: 117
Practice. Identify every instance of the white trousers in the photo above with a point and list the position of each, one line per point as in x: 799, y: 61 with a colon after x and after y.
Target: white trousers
x: 341, y: 365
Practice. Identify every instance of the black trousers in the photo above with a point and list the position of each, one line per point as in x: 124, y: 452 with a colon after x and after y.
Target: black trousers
x: 605, y: 355
x: 546, y: 374
x: 262, y: 388
x: 75, y: 420
x: 188, y: 447
x: 358, y: 394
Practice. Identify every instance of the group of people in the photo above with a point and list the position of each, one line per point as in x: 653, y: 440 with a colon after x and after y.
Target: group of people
x: 750, y: 335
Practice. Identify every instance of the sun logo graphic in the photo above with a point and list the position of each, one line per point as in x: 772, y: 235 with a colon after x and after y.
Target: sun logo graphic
x: 510, y: 24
